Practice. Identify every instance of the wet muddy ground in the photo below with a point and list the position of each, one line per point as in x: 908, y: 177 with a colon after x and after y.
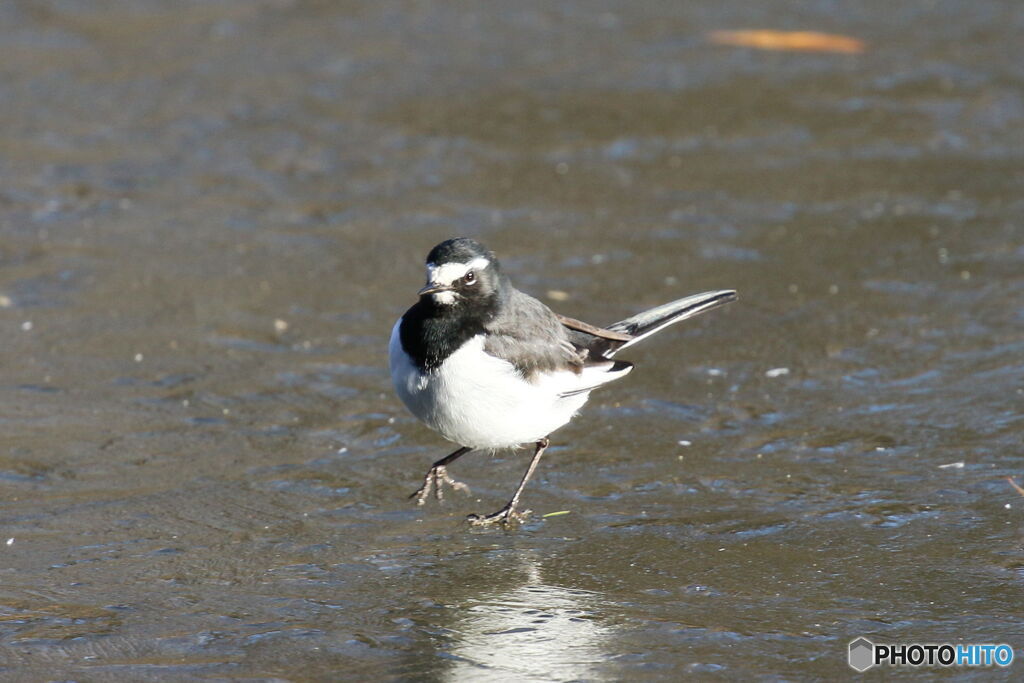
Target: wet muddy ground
x: 212, y: 213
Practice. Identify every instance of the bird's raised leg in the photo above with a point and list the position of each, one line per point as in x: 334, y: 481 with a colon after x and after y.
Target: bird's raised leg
x: 508, y: 512
x: 437, y: 476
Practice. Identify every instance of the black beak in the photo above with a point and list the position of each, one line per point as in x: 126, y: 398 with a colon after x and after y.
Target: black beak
x: 433, y: 288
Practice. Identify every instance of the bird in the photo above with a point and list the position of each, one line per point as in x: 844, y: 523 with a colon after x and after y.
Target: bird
x: 490, y: 367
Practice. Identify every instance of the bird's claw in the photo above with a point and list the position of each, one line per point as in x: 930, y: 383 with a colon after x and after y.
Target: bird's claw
x: 504, y: 516
x: 437, y: 477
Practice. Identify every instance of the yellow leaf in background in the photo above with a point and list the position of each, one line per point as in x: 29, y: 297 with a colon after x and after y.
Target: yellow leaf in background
x: 804, y: 41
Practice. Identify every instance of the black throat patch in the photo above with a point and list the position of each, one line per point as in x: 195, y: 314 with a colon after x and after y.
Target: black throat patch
x: 431, y: 332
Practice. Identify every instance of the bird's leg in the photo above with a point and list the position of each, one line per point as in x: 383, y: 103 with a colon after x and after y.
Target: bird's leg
x: 437, y: 476
x: 508, y: 512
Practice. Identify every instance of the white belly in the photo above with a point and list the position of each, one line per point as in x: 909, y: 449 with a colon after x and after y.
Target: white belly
x: 480, y: 401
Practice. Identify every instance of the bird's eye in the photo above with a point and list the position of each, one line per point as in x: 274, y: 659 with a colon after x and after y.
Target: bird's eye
x: 470, y: 278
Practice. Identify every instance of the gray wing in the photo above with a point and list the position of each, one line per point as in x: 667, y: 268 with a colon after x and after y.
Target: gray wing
x: 531, y: 337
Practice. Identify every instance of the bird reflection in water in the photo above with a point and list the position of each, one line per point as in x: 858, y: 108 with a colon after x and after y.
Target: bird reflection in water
x: 537, y: 631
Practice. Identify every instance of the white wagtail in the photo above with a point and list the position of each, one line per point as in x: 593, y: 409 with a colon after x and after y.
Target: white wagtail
x: 490, y: 367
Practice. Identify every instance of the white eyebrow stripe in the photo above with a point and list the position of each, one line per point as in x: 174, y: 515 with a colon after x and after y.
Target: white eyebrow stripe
x: 448, y: 273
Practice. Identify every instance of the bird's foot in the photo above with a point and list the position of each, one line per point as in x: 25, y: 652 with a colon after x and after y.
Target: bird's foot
x: 504, y: 516
x: 437, y: 477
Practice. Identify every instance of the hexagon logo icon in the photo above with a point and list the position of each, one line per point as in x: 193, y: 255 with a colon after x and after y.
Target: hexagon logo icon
x: 862, y: 654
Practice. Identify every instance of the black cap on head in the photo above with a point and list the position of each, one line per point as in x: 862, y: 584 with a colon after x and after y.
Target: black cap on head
x: 459, y: 250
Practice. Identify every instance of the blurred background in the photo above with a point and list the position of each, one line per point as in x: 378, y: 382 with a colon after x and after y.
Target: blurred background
x: 211, y: 213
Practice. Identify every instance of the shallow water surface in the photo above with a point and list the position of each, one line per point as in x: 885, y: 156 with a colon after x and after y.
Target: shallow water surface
x: 212, y: 213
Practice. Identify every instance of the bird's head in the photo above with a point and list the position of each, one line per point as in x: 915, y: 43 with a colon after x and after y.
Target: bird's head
x: 462, y: 273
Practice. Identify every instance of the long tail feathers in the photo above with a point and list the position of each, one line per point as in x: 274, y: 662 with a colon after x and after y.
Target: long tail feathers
x: 643, y: 325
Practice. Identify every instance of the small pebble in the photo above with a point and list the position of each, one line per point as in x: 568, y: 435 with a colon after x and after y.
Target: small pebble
x: 138, y: 358
x: 777, y: 372
x: 27, y: 325
x: 280, y: 325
